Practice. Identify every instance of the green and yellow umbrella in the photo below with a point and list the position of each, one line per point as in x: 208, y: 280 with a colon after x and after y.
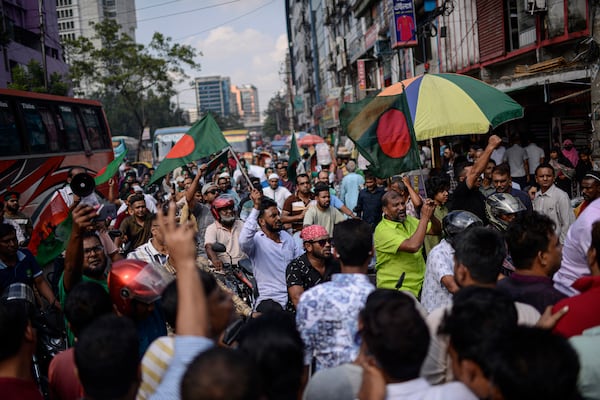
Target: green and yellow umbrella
x: 453, y: 104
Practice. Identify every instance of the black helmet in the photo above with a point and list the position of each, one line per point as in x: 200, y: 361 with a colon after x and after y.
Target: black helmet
x: 499, y: 204
x: 457, y: 221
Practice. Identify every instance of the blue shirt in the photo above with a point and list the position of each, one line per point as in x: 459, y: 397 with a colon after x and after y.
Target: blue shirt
x: 269, y: 259
x: 327, y: 319
x: 368, y: 206
x: 25, y: 271
x: 349, y: 189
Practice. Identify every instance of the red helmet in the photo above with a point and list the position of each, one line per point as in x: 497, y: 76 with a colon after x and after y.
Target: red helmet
x: 135, y: 279
x: 220, y: 203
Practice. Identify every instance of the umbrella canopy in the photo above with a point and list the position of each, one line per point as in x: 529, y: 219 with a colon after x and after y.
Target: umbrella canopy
x: 309, y: 140
x: 453, y: 104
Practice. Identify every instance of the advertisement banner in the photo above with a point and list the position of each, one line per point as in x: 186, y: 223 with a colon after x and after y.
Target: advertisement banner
x: 404, y: 25
x: 362, y: 76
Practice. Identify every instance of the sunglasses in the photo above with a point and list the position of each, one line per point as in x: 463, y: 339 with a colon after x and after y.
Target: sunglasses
x: 321, y: 242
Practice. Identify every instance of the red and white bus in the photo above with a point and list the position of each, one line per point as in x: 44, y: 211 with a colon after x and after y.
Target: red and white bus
x: 43, y: 136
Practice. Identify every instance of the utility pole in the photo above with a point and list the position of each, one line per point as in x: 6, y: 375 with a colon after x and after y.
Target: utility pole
x: 43, y: 43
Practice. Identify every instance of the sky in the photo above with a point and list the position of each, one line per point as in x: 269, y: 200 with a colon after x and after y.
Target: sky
x: 243, y: 39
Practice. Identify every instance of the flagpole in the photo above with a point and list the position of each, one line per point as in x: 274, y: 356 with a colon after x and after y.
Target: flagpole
x: 237, y: 160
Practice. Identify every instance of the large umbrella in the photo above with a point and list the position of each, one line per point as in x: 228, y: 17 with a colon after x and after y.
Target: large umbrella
x: 453, y: 104
x: 310, y: 140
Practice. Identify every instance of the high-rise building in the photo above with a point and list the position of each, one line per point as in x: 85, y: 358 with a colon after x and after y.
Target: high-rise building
x: 246, y: 103
x: 21, y: 39
x: 75, y: 16
x: 213, y: 93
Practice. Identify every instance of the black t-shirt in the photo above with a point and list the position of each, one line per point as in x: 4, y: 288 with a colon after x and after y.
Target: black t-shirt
x: 469, y: 200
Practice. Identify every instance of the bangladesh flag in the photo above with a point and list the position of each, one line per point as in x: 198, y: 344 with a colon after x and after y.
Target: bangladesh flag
x: 293, y: 160
x: 203, y: 139
x: 110, y: 170
x: 383, y: 132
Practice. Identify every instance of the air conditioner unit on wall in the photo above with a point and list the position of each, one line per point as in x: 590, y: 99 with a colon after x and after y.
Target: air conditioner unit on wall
x: 533, y: 6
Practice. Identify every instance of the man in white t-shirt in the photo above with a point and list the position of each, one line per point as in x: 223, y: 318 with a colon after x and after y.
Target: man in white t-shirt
x: 535, y: 157
x: 517, y: 159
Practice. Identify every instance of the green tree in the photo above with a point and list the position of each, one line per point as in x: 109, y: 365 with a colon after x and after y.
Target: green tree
x: 31, y: 78
x: 277, y: 121
x: 136, y: 74
x: 231, y: 121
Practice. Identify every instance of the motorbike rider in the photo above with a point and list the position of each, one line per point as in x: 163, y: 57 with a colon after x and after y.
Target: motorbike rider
x: 226, y: 230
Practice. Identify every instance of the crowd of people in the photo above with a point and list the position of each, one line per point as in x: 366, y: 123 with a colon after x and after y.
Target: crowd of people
x: 478, y: 279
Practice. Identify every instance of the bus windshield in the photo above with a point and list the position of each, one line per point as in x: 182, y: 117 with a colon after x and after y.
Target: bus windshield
x: 42, y: 137
x: 164, y: 140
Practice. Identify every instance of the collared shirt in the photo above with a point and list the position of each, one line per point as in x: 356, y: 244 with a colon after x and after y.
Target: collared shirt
x: 555, y: 204
x: 300, y: 272
x: 587, y: 347
x: 148, y: 253
x: 216, y: 232
x: 537, y: 291
x: 204, y: 218
x: 440, y: 263
x: 368, y: 206
x: 279, y: 195
x: 391, y: 263
x: 420, y: 389
x: 327, y: 319
x: 269, y: 259
x: 574, y: 253
x: 25, y: 271
x: 294, y: 205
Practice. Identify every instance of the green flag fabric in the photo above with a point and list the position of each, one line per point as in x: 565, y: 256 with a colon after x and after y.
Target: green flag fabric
x: 383, y: 132
x: 203, y: 139
x: 56, y: 242
x: 294, y: 159
x: 110, y: 170
x: 219, y: 160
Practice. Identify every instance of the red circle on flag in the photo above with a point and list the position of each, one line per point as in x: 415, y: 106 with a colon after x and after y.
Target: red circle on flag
x: 182, y: 148
x: 393, y: 134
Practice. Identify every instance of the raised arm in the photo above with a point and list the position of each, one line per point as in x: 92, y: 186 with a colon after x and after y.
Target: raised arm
x: 479, y: 166
x: 189, y: 193
x: 414, y: 243
x: 82, y: 220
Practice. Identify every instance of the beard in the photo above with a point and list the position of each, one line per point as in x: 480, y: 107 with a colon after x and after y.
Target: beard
x: 227, y: 221
x: 277, y: 227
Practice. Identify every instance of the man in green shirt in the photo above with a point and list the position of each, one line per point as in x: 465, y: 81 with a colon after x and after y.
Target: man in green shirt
x: 398, y: 241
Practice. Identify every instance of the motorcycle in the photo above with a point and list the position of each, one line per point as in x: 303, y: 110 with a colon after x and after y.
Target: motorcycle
x: 237, y: 277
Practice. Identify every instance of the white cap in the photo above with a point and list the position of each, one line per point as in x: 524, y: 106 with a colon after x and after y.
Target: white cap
x: 273, y: 176
x: 224, y: 175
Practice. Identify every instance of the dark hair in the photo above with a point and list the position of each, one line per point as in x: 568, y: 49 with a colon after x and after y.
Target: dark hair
x: 353, y: 240
x: 527, y: 237
x: 596, y: 238
x: 459, y: 168
x: 106, y: 355
x: 480, y: 318
x: 265, y: 203
x: 274, y: 344
x: 302, y: 176
x: 136, y: 197
x: 91, y: 234
x: 321, y: 187
x: 86, y: 302
x: 168, y: 301
x: 389, y: 196
x: 436, y: 184
x: 6, y: 229
x: 220, y: 373
x: 533, y: 363
x: 395, y: 333
x: 545, y: 165
x: 14, y: 317
x: 502, y: 169
x: 482, y: 251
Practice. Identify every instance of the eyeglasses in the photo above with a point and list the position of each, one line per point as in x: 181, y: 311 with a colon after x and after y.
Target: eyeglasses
x: 95, y: 249
x: 321, y: 242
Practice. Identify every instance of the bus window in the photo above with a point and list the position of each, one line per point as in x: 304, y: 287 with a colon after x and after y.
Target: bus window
x: 53, y: 134
x: 94, y: 129
x: 10, y: 141
x: 38, y: 139
x: 69, y: 122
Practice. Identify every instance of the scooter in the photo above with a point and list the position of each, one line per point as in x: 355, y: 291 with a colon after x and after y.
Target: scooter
x: 237, y: 277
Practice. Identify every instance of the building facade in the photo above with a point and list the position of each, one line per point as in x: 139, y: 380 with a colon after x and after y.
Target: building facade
x: 75, y: 17
x: 245, y: 98
x: 543, y: 53
x: 213, y: 93
x: 21, y: 40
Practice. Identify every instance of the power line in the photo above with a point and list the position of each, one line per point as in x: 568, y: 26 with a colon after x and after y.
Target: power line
x: 188, y: 11
x: 228, y: 21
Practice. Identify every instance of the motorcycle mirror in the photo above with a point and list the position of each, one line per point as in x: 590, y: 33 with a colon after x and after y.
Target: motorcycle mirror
x: 218, y: 247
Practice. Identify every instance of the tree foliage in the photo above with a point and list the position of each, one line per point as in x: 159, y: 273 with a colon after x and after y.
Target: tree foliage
x: 231, y: 121
x: 31, y: 78
x: 277, y: 121
x: 138, y: 78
